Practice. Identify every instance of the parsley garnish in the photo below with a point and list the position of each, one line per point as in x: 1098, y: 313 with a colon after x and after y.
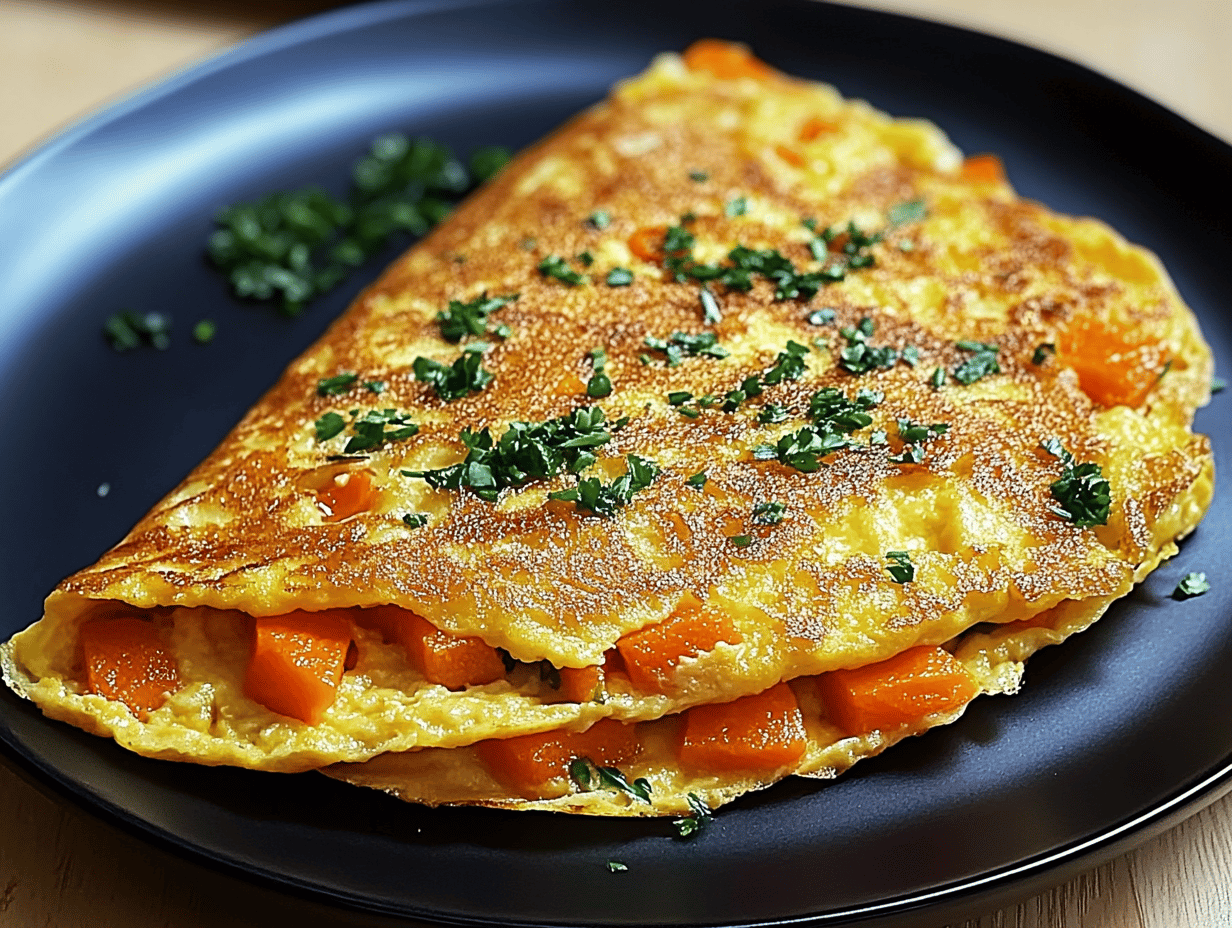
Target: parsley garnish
x: 789, y: 365
x: 697, y: 480
x: 525, y: 451
x: 910, y: 355
x: 859, y: 357
x: 416, y: 519
x: 699, y: 177
x: 454, y: 381
x: 741, y: 541
x: 1192, y: 584
x: 487, y: 161
x: 336, y: 385
x: 821, y: 317
x: 128, y: 330
x: 710, y: 306
x: 691, y: 825
x: 619, y: 277
x: 1082, y: 490
x: 769, y: 513
x: 911, y: 211
x: 982, y: 363
x: 704, y: 344
x: 913, y: 435
x: 599, y: 385
x: 588, y: 775
x: 204, y: 331
x: 1218, y: 384
x: 900, y: 566
x: 592, y: 495
x: 378, y: 426
x: 557, y: 267
x: 772, y: 413
x: 835, y: 417
x: 736, y: 207
x: 462, y: 319
x: 293, y: 246
x: 615, y: 866
x: 938, y: 378
x: 600, y: 219
x: 329, y: 425
x: 1042, y: 351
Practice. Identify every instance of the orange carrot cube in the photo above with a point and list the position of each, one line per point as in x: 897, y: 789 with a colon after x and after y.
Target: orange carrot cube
x: 297, y: 662
x: 762, y: 732
x: 125, y: 660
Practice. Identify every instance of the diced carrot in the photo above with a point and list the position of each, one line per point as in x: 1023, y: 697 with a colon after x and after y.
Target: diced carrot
x: 529, y: 763
x: 297, y: 662
x: 652, y: 654
x: 581, y: 684
x: 904, y: 689
x: 647, y: 243
x: 570, y: 384
x: 726, y: 60
x: 983, y: 169
x: 813, y: 127
x: 1114, y: 368
x: 126, y: 660
x: 762, y: 732
x: 453, y: 661
x: 348, y: 493
x: 790, y: 155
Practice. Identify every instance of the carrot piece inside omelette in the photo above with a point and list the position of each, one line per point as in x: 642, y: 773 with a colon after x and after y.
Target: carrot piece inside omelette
x: 530, y: 763
x: 348, y: 494
x: 125, y: 660
x: 905, y: 689
x: 725, y: 60
x: 453, y: 661
x: 761, y: 732
x: 581, y: 684
x: 1114, y: 367
x: 652, y: 654
x: 983, y: 169
x: 297, y: 662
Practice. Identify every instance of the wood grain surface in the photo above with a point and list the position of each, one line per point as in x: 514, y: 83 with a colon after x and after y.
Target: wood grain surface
x: 62, y: 868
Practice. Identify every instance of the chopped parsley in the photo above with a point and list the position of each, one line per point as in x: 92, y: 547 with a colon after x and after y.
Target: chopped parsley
x: 619, y: 277
x: 336, y: 385
x: 557, y: 267
x: 697, y: 480
x: 603, y: 499
x: 329, y: 425
x: 204, y: 331
x: 938, y: 378
x: 128, y: 330
x: 599, y: 385
x: 913, y: 435
x: 789, y: 365
x: 859, y: 357
x: 462, y: 319
x: 525, y: 451
x: 910, y: 211
x: 711, y: 312
x: 769, y: 513
x: 699, y: 177
x: 373, y: 428
x: 741, y: 541
x: 737, y: 206
x: 821, y: 316
x: 679, y: 344
x: 900, y: 567
x: 982, y: 363
x: 835, y: 418
x: 588, y: 776
x: 1082, y: 490
x: 416, y: 519
x: 910, y: 355
x: 600, y: 219
x: 692, y: 825
x: 1192, y: 584
x: 454, y: 381
x: 772, y: 413
x: 292, y: 246
x: 615, y: 866
x: 1042, y: 351
x: 1218, y: 384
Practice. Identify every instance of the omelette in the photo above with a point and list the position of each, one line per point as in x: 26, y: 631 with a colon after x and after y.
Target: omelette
x: 735, y: 430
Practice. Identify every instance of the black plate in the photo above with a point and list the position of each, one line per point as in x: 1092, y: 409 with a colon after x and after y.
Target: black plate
x: 1118, y: 734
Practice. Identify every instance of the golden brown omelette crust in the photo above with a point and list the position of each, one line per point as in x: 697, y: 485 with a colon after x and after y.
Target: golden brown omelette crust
x: 543, y: 580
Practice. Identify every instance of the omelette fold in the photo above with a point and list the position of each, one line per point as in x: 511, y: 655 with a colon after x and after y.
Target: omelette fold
x: 735, y: 430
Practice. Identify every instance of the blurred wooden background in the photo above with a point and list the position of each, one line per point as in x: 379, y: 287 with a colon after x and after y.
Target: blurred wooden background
x: 61, y: 60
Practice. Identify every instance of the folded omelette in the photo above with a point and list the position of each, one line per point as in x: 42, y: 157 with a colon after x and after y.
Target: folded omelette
x: 736, y: 430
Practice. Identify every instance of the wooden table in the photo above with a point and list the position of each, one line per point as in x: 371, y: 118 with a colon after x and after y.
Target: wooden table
x: 58, y: 61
